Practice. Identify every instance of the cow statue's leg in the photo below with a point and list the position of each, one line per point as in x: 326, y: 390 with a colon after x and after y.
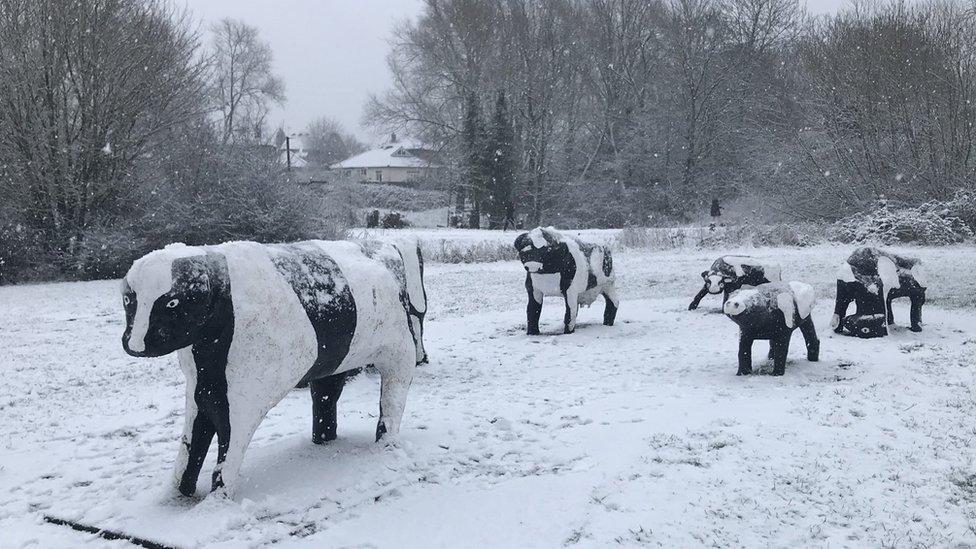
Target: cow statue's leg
x: 745, y: 354
x: 533, y: 311
x: 780, y: 348
x: 809, y: 331
x: 198, y: 432
x: 612, y: 304
x: 325, y: 398
x: 572, y: 310
x: 698, y: 297
x: 234, y: 434
x: 844, y: 298
x: 918, y: 299
x: 888, y: 310
x: 396, y: 374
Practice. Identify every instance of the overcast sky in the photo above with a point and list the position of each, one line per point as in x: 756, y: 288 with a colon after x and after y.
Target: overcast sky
x: 331, y: 54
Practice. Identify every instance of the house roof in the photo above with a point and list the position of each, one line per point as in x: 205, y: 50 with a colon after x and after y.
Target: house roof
x: 390, y: 156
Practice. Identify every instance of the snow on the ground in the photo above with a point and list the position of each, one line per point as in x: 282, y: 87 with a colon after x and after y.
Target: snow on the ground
x: 634, y: 435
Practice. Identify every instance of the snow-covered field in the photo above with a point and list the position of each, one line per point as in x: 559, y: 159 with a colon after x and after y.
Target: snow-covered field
x: 634, y: 435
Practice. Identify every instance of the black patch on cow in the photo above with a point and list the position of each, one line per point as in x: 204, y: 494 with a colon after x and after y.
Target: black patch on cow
x: 607, y: 262
x: 210, y: 353
x: 202, y: 317
x: 324, y: 293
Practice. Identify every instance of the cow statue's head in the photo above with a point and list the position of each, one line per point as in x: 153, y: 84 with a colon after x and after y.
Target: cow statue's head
x: 715, y: 281
x: 541, y: 250
x: 169, y: 296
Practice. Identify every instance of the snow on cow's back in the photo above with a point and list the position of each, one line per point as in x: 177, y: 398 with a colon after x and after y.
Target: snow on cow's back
x: 805, y: 298
x: 737, y: 262
x: 742, y: 300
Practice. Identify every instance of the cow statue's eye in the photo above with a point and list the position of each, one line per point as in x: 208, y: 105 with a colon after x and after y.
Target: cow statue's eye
x: 172, y: 303
x: 126, y: 300
x: 865, y: 330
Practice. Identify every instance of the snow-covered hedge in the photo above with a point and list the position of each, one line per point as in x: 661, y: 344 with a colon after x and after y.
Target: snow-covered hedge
x: 386, y: 197
x: 932, y: 223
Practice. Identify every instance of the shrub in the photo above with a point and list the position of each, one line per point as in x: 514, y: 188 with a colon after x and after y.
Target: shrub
x: 448, y: 251
x: 659, y: 239
x: 927, y: 225
x: 21, y: 251
x: 373, y: 219
x: 104, y: 252
x: 386, y: 197
x: 962, y: 206
x: 394, y: 220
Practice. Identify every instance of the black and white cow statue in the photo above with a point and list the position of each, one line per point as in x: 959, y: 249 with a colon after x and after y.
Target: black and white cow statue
x: 249, y: 321
x: 772, y: 311
x: 561, y: 265
x: 731, y: 272
x: 872, y: 278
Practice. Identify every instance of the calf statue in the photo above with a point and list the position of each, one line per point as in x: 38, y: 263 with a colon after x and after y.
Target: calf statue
x: 561, y: 265
x: 872, y: 278
x: 249, y: 321
x: 731, y: 272
x: 773, y: 311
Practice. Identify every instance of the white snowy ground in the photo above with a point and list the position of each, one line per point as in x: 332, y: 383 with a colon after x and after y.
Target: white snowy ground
x: 634, y: 435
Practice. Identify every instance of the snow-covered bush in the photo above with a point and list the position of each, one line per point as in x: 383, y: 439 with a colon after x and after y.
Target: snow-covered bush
x: 394, y: 220
x: 929, y: 224
x: 20, y: 248
x: 372, y: 219
x: 962, y: 206
x: 659, y: 239
x: 776, y: 234
x: 787, y: 234
x: 386, y: 197
x: 104, y: 252
x: 448, y: 251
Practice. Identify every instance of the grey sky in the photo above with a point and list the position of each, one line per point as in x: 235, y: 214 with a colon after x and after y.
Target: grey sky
x: 332, y: 53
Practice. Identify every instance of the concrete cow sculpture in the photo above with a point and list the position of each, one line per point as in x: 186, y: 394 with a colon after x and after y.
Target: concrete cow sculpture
x: 872, y: 278
x: 560, y: 265
x: 250, y: 321
x: 773, y: 311
x: 731, y: 272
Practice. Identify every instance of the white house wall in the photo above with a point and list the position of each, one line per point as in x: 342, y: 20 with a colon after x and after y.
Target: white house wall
x: 386, y: 175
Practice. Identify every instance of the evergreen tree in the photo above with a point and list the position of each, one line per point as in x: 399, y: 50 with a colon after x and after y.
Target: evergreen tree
x: 474, y: 186
x: 501, y: 166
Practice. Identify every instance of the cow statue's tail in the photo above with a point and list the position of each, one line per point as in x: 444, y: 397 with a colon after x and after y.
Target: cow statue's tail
x: 413, y: 266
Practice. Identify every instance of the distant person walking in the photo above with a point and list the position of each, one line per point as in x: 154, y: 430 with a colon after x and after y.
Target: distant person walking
x: 716, y: 208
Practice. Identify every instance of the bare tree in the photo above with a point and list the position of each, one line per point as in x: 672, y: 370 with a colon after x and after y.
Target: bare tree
x: 328, y: 142
x: 86, y: 88
x: 244, y: 84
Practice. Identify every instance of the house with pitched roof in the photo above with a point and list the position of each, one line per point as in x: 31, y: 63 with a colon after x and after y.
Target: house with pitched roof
x: 395, y: 162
